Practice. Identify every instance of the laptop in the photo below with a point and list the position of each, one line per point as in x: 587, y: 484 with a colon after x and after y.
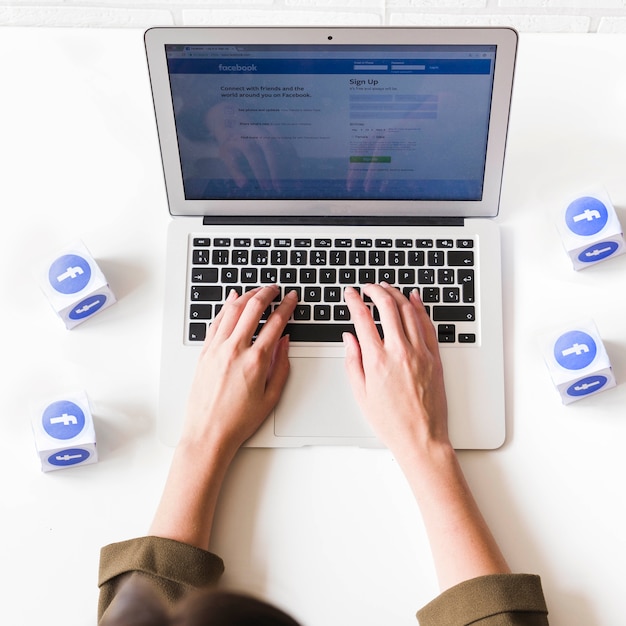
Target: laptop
x: 317, y: 158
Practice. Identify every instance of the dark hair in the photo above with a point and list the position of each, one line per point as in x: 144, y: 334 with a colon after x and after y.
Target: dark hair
x: 221, y: 608
x: 137, y: 604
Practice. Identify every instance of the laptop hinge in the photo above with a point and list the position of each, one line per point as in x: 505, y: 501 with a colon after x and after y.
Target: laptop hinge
x: 330, y: 220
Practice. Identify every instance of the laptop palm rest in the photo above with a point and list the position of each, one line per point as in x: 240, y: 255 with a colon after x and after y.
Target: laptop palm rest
x: 313, y: 402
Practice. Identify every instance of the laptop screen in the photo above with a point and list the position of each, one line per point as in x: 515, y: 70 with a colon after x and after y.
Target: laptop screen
x: 346, y: 122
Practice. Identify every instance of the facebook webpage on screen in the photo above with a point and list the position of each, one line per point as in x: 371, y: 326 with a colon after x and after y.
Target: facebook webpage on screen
x: 308, y: 122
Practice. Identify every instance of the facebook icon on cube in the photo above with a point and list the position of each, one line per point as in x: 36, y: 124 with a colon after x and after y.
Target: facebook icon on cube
x: 69, y: 274
x: 577, y: 360
x: 74, y: 284
x: 586, y: 216
x: 64, y: 432
x: 575, y: 350
x: 590, y: 229
x: 63, y: 420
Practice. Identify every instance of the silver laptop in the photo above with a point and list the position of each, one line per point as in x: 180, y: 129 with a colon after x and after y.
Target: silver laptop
x: 317, y: 158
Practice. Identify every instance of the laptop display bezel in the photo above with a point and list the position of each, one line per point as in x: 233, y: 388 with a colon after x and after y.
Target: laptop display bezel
x: 505, y: 40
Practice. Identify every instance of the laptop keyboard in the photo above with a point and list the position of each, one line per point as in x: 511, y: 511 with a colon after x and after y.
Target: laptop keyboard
x: 320, y: 268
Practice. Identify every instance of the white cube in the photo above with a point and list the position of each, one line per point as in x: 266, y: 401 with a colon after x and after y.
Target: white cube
x: 64, y: 432
x: 590, y: 229
x: 74, y: 285
x: 577, y: 361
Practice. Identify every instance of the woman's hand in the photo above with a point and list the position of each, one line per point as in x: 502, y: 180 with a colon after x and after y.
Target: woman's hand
x: 398, y: 380
x: 238, y: 382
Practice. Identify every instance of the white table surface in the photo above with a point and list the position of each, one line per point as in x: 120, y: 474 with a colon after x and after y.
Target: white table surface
x: 332, y: 535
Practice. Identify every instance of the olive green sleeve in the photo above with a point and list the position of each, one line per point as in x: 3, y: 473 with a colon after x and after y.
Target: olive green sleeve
x: 171, y: 568
x: 496, y: 600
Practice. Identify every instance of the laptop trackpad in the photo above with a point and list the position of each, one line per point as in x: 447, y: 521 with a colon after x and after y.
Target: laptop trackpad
x: 318, y: 402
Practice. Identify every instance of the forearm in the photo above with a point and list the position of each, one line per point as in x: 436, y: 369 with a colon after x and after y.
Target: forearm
x: 461, y: 542
x: 187, y: 507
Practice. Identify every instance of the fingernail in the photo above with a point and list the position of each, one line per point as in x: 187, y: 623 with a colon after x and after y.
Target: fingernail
x: 231, y: 295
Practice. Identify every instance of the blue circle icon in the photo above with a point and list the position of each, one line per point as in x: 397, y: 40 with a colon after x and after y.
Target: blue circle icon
x: 72, y: 456
x: 88, y: 307
x: 585, y: 386
x: 598, y: 251
x: 586, y: 216
x: 63, y: 419
x: 69, y: 274
x: 575, y: 350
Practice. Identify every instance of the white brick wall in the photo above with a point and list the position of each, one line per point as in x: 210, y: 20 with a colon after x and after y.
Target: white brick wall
x: 603, y: 16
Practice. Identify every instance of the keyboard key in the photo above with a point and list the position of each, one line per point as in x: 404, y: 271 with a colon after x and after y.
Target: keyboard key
x: 377, y: 257
x: 445, y: 243
x: 321, y: 312
x: 445, y: 276
x: 430, y: 294
x: 337, y: 257
x: 328, y: 276
x: 262, y: 243
x: 406, y: 277
x: 454, y: 313
x: 343, y: 243
x: 221, y: 242
x: 466, y: 279
x: 201, y: 242
x: 308, y: 276
x: 242, y: 243
x: 269, y: 275
x: 259, y: 257
x: 249, y: 275
x: 416, y: 257
x: 460, y: 258
x: 230, y: 275
x: 357, y: 257
x: 404, y: 243
x: 332, y: 294
x: 467, y: 338
x: 197, y: 331
x: 363, y: 243
x: 302, y: 312
x: 318, y: 257
x: 464, y: 243
x: 302, y: 243
x: 298, y: 257
x: 383, y: 243
x: 279, y: 257
x: 347, y: 276
x: 200, y: 257
x: 206, y: 294
x: 387, y: 276
x: 288, y: 275
x: 323, y: 243
x: 424, y: 243
x: 201, y: 311
x: 341, y: 313
x: 282, y: 242
x: 239, y: 257
x: 446, y: 333
x: 451, y: 294
x: 220, y: 257
x: 312, y: 294
x: 204, y: 275
x: 331, y: 332
x: 435, y: 257
x: 367, y: 276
